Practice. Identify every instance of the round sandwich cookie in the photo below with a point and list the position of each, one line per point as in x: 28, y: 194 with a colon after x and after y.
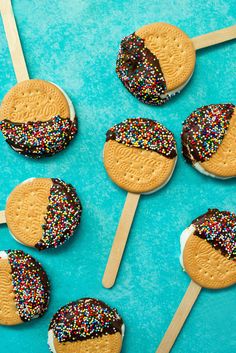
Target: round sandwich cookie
x: 209, y: 140
x: 87, y: 326
x: 140, y: 155
x: 208, y: 254
x: 43, y: 212
x: 156, y: 62
x: 208, y: 249
x: 37, y: 118
x: 24, y: 288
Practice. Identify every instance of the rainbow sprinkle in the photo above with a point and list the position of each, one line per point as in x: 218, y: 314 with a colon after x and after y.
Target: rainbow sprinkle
x: 30, y: 285
x: 38, y: 139
x: 219, y: 229
x: 84, y: 319
x: 63, y: 215
x: 144, y: 133
x: 204, y: 130
x: 140, y: 71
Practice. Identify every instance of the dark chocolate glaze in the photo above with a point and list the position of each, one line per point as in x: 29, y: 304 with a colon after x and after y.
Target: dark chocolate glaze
x: 144, y: 133
x: 219, y: 229
x: 63, y: 215
x: 30, y: 285
x: 204, y: 130
x: 140, y: 72
x: 85, y: 319
x: 39, y: 139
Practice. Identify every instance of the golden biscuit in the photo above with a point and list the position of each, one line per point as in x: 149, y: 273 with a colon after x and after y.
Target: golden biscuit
x: 43, y: 212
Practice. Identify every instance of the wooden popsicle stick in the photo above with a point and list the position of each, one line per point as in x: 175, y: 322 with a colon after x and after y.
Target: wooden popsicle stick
x: 179, y: 318
x: 120, y: 240
x: 2, y: 217
x: 13, y: 40
x: 209, y: 39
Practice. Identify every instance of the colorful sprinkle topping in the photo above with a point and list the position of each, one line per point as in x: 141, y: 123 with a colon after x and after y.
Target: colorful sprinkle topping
x: 84, y: 319
x: 204, y: 130
x: 30, y: 285
x: 140, y: 71
x: 219, y: 229
x: 146, y: 134
x: 63, y: 215
x: 38, y: 139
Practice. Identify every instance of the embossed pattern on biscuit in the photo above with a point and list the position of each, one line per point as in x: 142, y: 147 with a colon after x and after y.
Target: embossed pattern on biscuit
x: 26, y: 210
x: 136, y: 170
x: 222, y: 163
x: 43, y: 212
x: 33, y: 101
x: 104, y: 344
x: 173, y: 48
x: 8, y: 312
x: 140, y: 154
x: 35, y: 119
x: 207, y: 266
x: 219, y: 229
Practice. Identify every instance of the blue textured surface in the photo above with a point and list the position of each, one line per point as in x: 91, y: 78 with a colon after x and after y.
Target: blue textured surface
x: 74, y: 44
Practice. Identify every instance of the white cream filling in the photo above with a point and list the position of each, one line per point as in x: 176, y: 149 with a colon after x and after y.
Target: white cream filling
x: 199, y: 168
x: 3, y: 255
x: 123, y: 331
x: 23, y: 182
x: 13, y: 236
x: 51, y: 338
x: 50, y: 341
x: 71, y: 107
x: 183, y: 240
x: 178, y: 89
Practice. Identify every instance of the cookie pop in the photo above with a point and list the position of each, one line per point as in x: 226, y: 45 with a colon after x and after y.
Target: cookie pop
x: 37, y: 118
x: 208, y: 140
x: 140, y: 157
x: 208, y: 252
x: 87, y: 326
x: 24, y: 288
x: 42, y: 212
x: 157, y: 61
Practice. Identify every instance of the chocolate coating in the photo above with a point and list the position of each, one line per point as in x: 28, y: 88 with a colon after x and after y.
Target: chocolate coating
x: 30, y: 285
x: 85, y: 319
x: 39, y: 139
x: 140, y: 72
x: 219, y: 229
x: 63, y: 215
x: 204, y: 130
x: 144, y: 133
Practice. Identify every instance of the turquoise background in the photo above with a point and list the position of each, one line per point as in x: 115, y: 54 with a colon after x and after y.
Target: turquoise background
x: 74, y: 44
